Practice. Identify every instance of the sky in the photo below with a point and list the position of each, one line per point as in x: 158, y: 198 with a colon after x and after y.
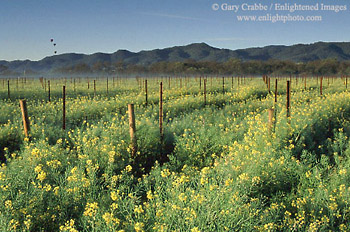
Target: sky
x: 90, y: 26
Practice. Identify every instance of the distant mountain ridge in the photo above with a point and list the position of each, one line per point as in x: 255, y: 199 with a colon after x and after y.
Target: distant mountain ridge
x: 195, y: 51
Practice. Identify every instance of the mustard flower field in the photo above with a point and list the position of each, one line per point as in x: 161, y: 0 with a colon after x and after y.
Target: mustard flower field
x: 218, y: 165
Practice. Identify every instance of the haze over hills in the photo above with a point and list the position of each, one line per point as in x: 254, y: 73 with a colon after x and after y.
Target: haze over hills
x: 195, y: 51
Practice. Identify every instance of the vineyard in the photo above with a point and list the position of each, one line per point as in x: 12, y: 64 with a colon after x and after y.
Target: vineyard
x: 190, y: 154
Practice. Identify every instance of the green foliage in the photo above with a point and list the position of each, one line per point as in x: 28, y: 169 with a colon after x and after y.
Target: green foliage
x: 219, y: 168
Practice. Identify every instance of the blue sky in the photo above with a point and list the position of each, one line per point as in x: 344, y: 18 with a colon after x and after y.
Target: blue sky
x: 83, y: 26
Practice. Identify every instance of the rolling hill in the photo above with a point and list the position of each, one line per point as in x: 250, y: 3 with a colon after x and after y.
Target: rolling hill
x: 196, y: 51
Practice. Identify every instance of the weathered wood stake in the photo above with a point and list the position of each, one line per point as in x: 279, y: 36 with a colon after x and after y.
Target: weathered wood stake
x: 146, y: 92
x: 49, y: 92
x: 95, y: 88
x: 132, y: 129
x: 205, y: 91
x: 346, y: 82
x: 161, y: 114
x: 8, y: 89
x: 276, y: 90
x: 64, y: 108
x: 223, y: 84
x: 26, y: 124
x: 288, y: 99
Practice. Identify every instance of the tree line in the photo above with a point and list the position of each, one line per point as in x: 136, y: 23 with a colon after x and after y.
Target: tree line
x: 230, y: 67
x: 191, y: 67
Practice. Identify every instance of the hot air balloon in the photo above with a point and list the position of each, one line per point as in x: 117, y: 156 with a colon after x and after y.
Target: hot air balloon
x: 54, y: 44
x: 55, y: 52
x: 51, y: 40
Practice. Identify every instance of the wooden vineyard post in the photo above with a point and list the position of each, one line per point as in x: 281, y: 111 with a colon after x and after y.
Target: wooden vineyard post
x: 26, y: 124
x: 107, y: 85
x: 269, y: 84
x: 304, y: 83
x: 276, y: 82
x: 8, y: 89
x: 113, y: 83
x: 161, y: 115
x: 321, y: 79
x: 132, y: 129
x: 94, y: 88
x: 200, y: 82
x: 223, y: 85
x: 205, y: 91
x: 41, y: 79
x: 288, y: 99
x: 64, y: 108
x: 346, y: 82
x: 88, y: 84
x: 49, y: 92
x: 271, y: 120
x: 74, y: 84
x: 146, y: 92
